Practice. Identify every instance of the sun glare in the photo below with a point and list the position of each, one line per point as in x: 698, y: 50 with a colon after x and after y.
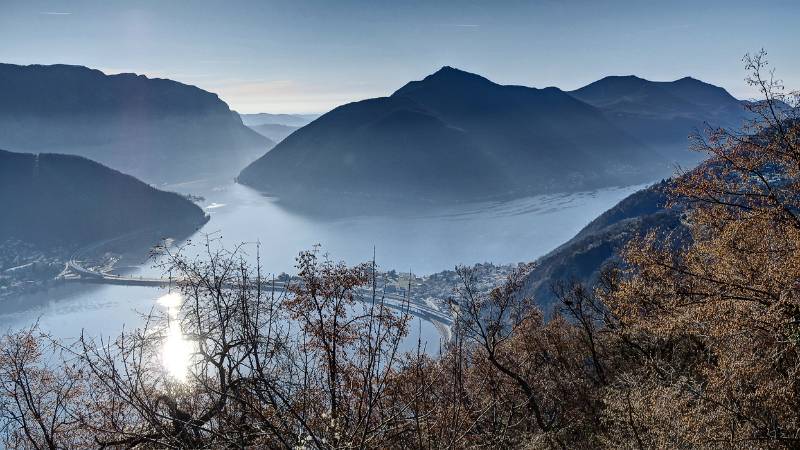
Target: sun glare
x: 177, y: 350
x: 171, y: 301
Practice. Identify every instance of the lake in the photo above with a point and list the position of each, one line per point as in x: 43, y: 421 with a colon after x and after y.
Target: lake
x: 423, y: 242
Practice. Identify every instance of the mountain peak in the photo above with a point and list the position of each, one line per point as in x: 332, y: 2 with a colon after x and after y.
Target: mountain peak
x: 694, y: 82
x: 449, y: 73
x: 446, y: 76
x: 690, y: 82
x: 621, y: 79
x: 610, y: 88
x: 450, y: 70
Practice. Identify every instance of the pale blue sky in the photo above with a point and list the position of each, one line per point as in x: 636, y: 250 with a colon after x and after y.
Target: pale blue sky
x: 309, y: 56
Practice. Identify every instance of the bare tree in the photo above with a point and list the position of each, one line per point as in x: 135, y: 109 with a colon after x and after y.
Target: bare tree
x: 39, y: 393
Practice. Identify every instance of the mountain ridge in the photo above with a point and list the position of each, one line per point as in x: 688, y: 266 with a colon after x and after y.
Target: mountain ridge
x: 599, y: 243
x: 664, y: 113
x: 490, y: 141
x: 156, y: 129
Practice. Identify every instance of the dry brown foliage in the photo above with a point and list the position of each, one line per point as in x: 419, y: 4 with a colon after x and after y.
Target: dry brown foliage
x: 719, y: 317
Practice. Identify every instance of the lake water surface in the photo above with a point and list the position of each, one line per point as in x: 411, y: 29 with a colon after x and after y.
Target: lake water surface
x: 423, y: 242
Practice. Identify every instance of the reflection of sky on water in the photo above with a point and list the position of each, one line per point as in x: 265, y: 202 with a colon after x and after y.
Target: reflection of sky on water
x: 426, y: 242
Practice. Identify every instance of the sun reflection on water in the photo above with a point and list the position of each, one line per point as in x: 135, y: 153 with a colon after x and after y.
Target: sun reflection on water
x: 177, y: 351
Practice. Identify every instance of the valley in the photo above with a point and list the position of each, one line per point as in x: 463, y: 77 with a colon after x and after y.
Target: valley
x: 427, y: 242
x: 340, y: 225
x: 450, y: 170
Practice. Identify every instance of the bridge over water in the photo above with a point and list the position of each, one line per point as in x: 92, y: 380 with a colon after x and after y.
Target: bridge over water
x: 74, y: 272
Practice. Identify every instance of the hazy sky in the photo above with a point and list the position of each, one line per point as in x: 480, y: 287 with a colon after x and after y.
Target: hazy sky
x: 309, y: 56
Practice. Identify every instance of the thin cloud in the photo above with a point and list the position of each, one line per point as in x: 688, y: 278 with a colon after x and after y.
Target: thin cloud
x: 55, y: 13
x: 461, y: 25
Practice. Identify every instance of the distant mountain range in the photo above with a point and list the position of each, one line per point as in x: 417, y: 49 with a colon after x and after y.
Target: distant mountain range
x: 155, y: 129
x: 276, y: 127
x: 456, y: 136
x: 293, y: 120
x: 663, y: 114
x: 451, y: 136
x: 274, y: 131
x: 66, y: 200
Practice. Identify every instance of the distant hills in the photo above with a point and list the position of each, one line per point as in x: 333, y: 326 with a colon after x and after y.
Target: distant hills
x: 455, y: 136
x: 155, y: 129
x: 277, y: 127
x: 274, y: 131
x: 451, y: 136
x: 663, y: 113
x: 66, y: 200
x: 293, y: 120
